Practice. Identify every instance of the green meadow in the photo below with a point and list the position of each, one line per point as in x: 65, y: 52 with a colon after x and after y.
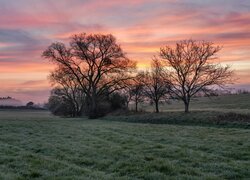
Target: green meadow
x: 211, y: 142
x: 238, y: 103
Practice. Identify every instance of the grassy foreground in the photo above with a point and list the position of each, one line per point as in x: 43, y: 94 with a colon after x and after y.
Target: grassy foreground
x: 37, y: 145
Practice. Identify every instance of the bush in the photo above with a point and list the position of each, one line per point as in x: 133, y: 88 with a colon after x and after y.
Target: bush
x: 117, y: 101
x: 204, y: 118
x: 107, y: 105
x: 233, y: 117
x: 60, y: 106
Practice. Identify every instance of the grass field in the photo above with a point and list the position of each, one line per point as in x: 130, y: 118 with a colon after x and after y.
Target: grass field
x: 34, y: 144
x: 237, y: 103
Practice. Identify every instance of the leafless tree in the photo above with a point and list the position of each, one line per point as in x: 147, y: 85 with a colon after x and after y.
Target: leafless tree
x: 193, y: 68
x: 134, y: 90
x: 137, y: 93
x: 68, y: 87
x: 127, y: 93
x: 97, y: 63
x: 155, y: 83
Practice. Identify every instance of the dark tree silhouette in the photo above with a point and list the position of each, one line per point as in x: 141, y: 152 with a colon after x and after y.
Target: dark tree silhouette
x: 155, y: 83
x: 68, y: 88
x: 30, y: 104
x: 117, y: 101
x: 127, y: 93
x: 192, y: 69
x: 97, y: 63
x: 137, y: 90
x: 60, y: 104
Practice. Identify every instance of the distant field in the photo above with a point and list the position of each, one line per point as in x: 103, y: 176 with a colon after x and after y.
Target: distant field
x: 226, y: 103
x: 34, y: 144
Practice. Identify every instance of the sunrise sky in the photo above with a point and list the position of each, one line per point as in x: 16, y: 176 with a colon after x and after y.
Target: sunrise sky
x: 27, y: 27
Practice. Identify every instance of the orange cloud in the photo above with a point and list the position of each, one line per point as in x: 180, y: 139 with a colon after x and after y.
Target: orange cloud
x: 8, y: 67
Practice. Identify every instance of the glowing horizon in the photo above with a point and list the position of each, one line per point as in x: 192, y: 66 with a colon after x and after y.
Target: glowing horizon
x: 140, y: 26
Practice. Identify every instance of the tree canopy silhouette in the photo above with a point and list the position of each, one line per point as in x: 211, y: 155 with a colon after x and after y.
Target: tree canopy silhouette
x: 155, y: 81
x: 96, y: 62
x: 192, y: 69
x: 68, y: 90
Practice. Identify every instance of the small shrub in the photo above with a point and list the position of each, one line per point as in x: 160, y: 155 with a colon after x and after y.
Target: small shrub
x: 117, y: 101
x: 233, y: 117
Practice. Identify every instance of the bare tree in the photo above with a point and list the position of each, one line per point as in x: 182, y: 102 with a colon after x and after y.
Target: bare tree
x: 127, y: 93
x: 68, y: 87
x: 155, y: 83
x: 193, y: 68
x: 134, y: 91
x: 137, y: 93
x: 96, y: 61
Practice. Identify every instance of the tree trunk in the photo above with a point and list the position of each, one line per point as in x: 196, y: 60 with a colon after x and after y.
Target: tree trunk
x: 127, y: 103
x: 186, y: 107
x: 156, y: 106
x: 81, y: 109
x: 92, y: 109
x: 136, y: 106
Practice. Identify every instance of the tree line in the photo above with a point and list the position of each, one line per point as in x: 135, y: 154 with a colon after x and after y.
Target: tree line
x: 94, y: 76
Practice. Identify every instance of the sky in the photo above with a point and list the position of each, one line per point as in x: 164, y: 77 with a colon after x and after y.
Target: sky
x: 141, y: 27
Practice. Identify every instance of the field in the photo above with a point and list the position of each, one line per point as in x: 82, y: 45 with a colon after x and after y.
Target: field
x: 34, y: 144
x: 239, y: 103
